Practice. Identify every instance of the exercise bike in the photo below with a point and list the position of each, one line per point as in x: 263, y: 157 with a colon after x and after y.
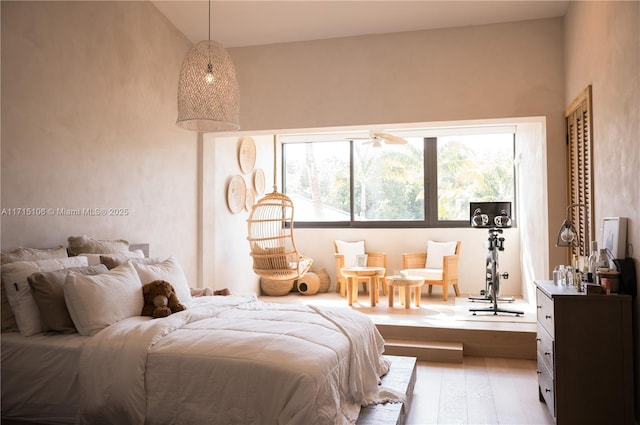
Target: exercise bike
x: 492, y: 291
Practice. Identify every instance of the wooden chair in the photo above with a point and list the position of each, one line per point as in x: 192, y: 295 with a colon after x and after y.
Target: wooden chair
x: 374, y: 259
x: 445, y: 275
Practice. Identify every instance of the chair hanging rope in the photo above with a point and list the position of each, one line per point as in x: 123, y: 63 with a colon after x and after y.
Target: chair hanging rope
x: 270, y: 229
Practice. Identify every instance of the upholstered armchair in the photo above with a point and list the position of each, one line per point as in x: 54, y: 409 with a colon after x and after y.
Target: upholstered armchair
x: 438, y: 266
x: 345, y: 256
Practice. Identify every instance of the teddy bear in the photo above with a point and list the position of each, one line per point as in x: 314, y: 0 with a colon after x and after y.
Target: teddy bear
x: 160, y: 299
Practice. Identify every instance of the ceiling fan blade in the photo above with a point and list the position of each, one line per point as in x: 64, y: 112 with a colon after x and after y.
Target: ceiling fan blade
x: 390, y: 138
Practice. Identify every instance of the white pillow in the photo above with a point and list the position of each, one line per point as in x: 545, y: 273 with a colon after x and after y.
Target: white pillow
x: 114, y: 260
x: 32, y: 254
x: 93, y: 259
x: 85, y: 244
x: 95, y: 302
x: 437, y: 250
x: 168, y: 270
x: 14, y: 279
x: 350, y: 250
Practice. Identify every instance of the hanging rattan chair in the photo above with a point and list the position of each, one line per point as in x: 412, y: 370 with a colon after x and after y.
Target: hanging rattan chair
x: 270, y: 229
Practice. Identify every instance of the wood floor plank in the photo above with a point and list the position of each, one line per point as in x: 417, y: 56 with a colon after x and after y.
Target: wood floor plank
x: 426, y: 394
x: 453, y: 397
x: 480, y: 402
x: 481, y: 390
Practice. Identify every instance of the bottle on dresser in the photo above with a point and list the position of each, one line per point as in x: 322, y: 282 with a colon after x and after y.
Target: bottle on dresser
x: 593, y: 262
x: 602, y: 267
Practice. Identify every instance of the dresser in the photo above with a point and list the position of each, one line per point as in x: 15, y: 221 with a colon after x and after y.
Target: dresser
x: 585, y: 355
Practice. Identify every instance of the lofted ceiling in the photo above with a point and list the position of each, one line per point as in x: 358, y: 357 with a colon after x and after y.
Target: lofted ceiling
x: 247, y: 23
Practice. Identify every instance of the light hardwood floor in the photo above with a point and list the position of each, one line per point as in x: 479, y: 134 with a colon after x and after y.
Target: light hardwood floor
x: 481, y: 390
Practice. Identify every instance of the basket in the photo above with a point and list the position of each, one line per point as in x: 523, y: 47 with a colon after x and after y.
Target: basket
x: 325, y: 280
x: 309, y: 284
x: 276, y: 288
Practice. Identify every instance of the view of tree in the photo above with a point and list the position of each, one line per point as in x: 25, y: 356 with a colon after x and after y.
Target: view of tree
x: 473, y: 169
x: 389, y: 179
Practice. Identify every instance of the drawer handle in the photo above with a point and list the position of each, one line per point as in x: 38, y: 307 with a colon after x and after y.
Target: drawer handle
x: 539, y: 306
x: 547, y: 390
x: 547, y: 316
x: 538, y: 372
x: 547, y: 353
x: 538, y: 339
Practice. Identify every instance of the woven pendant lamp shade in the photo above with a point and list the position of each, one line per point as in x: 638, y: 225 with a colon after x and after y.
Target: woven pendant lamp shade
x: 205, y: 105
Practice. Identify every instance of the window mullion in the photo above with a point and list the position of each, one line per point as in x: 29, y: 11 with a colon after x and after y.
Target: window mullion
x: 431, y: 181
x: 351, y: 183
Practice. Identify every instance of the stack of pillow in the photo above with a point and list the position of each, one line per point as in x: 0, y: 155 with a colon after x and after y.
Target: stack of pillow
x: 101, y: 284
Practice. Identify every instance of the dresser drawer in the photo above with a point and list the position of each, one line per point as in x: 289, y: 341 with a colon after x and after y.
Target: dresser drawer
x: 546, y: 385
x: 544, y: 309
x: 545, y: 348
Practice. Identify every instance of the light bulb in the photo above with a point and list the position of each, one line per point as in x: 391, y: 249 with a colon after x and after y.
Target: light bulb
x: 567, y: 235
x: 209, y: 76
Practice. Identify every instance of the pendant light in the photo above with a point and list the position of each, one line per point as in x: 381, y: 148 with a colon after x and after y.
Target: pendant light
x: 567, y: 235
x: 208, y: 95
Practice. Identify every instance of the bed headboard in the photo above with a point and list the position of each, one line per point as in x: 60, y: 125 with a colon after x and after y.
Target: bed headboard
x: 144, y: 247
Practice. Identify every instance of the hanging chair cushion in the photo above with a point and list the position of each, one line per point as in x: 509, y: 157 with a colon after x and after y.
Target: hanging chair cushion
x: 269, y: 258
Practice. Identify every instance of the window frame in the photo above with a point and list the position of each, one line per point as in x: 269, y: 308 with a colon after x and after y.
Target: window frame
x: 430, y: 187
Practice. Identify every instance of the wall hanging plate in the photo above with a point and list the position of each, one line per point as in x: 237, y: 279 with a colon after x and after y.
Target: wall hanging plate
x: 236, y: 194
x: 247, y: 155
x: 250, y: 199
x: 258, y: 181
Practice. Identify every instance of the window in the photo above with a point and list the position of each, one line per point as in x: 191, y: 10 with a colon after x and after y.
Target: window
x: 473, y: 168
x: 427, y: 182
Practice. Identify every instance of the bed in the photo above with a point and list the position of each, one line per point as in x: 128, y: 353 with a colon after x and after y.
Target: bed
x: 226, y: 360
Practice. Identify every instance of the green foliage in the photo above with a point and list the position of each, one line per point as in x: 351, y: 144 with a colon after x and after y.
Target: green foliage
x: 389, y: 180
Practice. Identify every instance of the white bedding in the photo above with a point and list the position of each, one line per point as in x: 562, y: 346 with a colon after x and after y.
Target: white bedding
x: 232, y: 360
x: 40, y: 376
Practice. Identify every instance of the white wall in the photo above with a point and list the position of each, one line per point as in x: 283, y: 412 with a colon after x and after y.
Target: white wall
x: 602, y: 48
x: 532, y: 204
x: 88, y: 121
x: 523, y: 263
x: 98, y: 130
x: 472, y: 73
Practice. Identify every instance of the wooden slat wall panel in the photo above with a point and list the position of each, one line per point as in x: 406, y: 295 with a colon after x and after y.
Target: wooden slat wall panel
x: 580, y: 169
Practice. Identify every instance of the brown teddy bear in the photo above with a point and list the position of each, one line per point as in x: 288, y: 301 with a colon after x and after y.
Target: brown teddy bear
x: 160, y: 299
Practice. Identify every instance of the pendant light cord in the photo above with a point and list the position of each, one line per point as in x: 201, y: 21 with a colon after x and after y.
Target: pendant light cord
x: 275, y: 142
x: 209, y: 20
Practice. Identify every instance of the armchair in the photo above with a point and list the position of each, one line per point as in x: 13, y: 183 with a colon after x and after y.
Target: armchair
x: 438, y: 266
x: 345, y: 256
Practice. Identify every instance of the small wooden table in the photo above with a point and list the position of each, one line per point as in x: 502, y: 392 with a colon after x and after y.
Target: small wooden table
x: 405, y: 283
x: 355, y: 274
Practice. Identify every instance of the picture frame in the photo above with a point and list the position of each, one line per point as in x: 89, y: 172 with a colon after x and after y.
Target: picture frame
x: 361, y: 260
x: 614, y: 236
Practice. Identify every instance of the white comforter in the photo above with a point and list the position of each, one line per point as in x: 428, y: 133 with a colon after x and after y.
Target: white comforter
x: 233, y: 360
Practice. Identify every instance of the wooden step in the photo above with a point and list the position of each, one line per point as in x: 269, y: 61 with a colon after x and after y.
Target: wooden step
x: 402, y: 378
x: 476, y: 342
x: 425, y: 350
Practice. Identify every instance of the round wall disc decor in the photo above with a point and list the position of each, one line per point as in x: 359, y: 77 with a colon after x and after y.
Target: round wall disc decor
x: 236, y: 194
x: 250, y: 199
x: 258, y: 181
x: 247, y: 155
